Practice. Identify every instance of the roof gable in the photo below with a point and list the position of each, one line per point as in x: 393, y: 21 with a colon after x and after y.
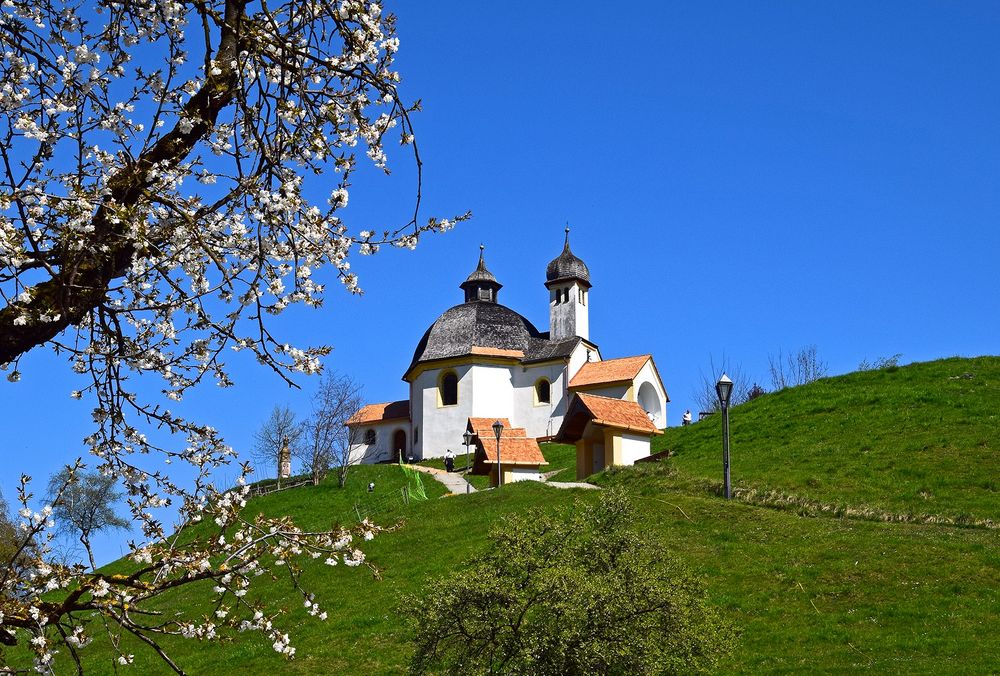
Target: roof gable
x: 609, y: 371
x: 617, y: 413
x: 376, y: 413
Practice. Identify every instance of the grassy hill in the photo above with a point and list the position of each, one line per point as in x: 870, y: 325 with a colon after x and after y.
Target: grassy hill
x: 811, y: 592
x: 919, y: 439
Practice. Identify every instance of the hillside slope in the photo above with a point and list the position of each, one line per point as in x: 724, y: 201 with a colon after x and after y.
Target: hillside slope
x: 811, y: 593
x: 922, y: 439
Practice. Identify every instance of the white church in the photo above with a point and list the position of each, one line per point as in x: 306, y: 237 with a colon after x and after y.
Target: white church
x: 483, y: 360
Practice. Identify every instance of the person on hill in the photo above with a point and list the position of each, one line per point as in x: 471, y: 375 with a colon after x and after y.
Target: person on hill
x: 686, y: 418
x: 449, y: 460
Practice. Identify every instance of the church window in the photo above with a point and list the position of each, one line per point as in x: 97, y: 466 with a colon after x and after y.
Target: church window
x: 416, y: 435
x: 448, y: 389
x: 485, y: 294
x: 370, y: 437
x: 583, y: 297
x: 543, y: 391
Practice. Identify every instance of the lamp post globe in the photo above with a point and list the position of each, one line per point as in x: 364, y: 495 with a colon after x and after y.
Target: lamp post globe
x: 467, y: 438
x: 724, y: 388
x: 498, y: 430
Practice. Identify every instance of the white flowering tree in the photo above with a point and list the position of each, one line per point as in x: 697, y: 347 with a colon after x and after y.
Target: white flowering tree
x: 173, y: 174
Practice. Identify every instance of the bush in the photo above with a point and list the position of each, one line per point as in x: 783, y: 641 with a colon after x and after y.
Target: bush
x: 581, y: 591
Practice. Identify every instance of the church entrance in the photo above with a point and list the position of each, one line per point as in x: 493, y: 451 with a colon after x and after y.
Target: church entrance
x: 398, y: 445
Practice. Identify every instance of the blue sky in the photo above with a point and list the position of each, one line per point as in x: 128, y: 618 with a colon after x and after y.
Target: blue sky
x: 739, y: 177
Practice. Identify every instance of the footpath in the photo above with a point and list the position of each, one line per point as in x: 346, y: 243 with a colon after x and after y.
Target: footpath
x: 456, y: 483
x: 453, y: 481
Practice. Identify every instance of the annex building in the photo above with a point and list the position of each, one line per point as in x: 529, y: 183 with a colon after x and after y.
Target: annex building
x: 481, y: 360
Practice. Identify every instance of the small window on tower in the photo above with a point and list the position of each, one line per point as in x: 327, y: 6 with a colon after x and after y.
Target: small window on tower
x: 583, y: 297
x: 370, y: 437
x: 485, y: 294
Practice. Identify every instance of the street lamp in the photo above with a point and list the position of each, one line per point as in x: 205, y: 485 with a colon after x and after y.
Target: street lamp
x: 467, y: 438
x: 497, y: 430
x: 724, y: 388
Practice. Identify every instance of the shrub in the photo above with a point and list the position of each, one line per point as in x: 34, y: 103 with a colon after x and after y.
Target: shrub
x: 581, y: 591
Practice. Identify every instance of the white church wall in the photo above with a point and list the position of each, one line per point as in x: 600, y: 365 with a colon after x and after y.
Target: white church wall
x: 381, y: 450
x: 650, y: 394
x: 634, y: 447
x: 611, y: 391
x: 524, y: 474
x: 440, y: 427
x: 539, y: 419
x: 492, y: 393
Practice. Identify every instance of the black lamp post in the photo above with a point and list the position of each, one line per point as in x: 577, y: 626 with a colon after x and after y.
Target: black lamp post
x: 497, y: 430
x: 724, y: 388
x: 467, y: 438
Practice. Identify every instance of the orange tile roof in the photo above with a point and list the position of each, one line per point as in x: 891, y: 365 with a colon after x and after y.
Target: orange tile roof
x: 374, y: 413
x: 608, y: 371
x: 513, y: 451
x: 496, y: 352
x: 626, y: 415
x: 483, y: 427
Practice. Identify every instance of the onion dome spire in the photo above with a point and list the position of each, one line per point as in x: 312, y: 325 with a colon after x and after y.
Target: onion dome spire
x: 566, y: 267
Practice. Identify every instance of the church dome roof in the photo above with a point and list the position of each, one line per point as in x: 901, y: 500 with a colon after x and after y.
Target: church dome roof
x: 476, y: 327
x: 480, y: 274
x: 567, y: 266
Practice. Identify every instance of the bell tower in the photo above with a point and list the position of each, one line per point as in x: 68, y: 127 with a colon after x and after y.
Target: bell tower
x: 568, y: 281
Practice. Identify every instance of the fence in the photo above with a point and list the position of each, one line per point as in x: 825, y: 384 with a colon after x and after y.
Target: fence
x: 383, y: 504
x: 257, y: 490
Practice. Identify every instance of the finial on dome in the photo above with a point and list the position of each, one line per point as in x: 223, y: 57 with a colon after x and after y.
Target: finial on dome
x: 481, y: 284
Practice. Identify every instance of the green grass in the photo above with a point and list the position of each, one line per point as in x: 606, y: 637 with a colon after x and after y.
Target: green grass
x: 811, y: 593
x: 918, y: 439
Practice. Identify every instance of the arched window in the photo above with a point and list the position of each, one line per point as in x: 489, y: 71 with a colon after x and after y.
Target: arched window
x: 543, y: 391
x: 370, y: 437
x: 449, y: 389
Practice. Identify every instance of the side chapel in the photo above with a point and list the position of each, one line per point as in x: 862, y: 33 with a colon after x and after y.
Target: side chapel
x: 481, y: 360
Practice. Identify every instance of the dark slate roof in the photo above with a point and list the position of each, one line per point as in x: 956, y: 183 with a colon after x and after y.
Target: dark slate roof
x: 480, y: 274
x: 543, y: 349
x: 475, y: 324
x: 567, y: 266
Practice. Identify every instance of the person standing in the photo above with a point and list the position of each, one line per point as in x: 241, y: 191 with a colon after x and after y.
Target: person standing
x: 686, y: 418
x: 449, y: 460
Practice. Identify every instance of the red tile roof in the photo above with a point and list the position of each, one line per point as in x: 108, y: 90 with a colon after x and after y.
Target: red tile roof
x: 608, y: 371
x: 619, y: 413
x: 616, y: 413
x: 483, y: 428
x: 375, y: 413
x: 513, y: 451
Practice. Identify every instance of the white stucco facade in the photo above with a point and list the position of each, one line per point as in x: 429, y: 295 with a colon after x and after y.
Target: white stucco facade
x: 634, y: 447
x: 387, y: 437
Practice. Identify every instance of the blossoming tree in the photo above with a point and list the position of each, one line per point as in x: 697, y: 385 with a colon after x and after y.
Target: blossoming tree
x: 159, y: 161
